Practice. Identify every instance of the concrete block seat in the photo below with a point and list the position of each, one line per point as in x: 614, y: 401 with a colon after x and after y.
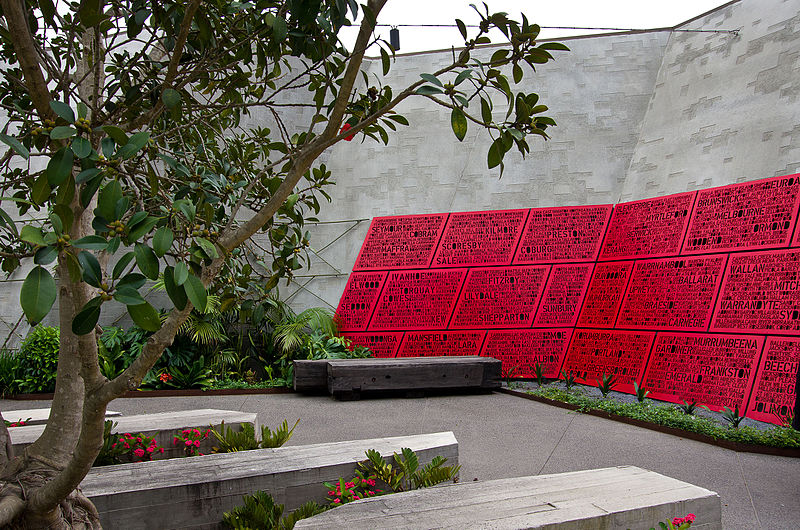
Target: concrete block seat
x: 621, y: 498
x: 40, y: 416
x: 162, y: 426
x: 349, y: 378
x: 195, y: 492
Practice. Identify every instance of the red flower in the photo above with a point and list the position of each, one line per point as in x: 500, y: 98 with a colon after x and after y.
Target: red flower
x: 347, y: 127
x: 689, y: 518
x: 197, y: 443
x: 162, y: 450
x: 138, y: 452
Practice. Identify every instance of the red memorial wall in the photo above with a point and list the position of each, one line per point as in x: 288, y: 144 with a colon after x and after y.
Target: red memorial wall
x: 695, y: 295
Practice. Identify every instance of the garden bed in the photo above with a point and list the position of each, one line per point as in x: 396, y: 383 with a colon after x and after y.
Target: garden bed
x: 675, y: 431
x: 171, y: 393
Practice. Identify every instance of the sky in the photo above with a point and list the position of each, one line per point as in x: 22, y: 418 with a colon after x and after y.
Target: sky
x: 639, y: 14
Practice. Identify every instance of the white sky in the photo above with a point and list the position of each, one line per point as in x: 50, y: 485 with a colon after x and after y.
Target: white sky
x: 639, y: 14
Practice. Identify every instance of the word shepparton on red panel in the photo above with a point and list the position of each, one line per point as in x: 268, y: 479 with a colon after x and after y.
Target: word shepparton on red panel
x: 648, y: 228
x: 563, y: 295
x: 383, y: 345
x: 417, y: 299
x: 760, y: 294
x: 715, y: 370
x: 403, y: 242
x: 775, y: 388
x: 521, y: 350
x: 556, y: 235
x: 672, y: 293
x: 441, y: 343
x: 605, y: 294
x: 480, y: 238
x: 358, y: 300
x: 597, y: 352
x: 500, y: 297
x: 747, y: 216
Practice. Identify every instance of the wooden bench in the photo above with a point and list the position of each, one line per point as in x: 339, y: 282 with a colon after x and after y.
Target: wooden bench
x: 612, y: 498
x: 39, y: 416
x: 162, y: 426
x: 195, y: 492
x: 349, y: 378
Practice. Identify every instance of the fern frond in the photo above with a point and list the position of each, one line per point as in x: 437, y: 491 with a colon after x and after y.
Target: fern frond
x: 281, y: 435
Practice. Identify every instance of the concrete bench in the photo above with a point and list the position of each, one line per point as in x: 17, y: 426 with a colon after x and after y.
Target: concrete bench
x: 348, y: 378
x: 40, y: 416
x: 195, y: 492
x: 162, y: 426
x: 612, y: 498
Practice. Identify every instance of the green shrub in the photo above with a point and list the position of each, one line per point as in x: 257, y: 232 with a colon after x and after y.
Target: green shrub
x: 38, y: 359
x: 260, y: 511
x: 9, y: 364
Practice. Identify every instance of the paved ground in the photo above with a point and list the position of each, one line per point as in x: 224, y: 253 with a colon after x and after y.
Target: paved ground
x: 505, y: 436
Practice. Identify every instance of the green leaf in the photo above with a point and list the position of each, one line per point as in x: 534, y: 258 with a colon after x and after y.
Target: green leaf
x: 38, y: 294
x: 116, y: 134
x: 107, y: 200
x: 459, y: 123
x: 48, y: 10
x: 86, y: 175
x: 14, y: 144
x: 208, y: 247
x: 65, y: 216
x: 171, y: 98
x: 41, y: 189
x: 63, y: 110
x: 486, y: 111
x: 32, y: 235
x: 91, y: 243
x: 462, y: 28
x: 134, y: 280
x: 196, y: 292
x: 399, y: 119
x: 175, y: 292
x: 60, y: 166
x: 81, y: 147
x: 430, y: 78
x: 145, y: 316
x: 45, y: 255
x: 121, y: 265
x: 89, y: 13
x: 427, y: 90
x: 385, y: 61
x: 279, y: 29
x: 146, y: 260
x: 135, y: 143
x: 553, y: 46
x: 495, y: 154
x: 462, y: 76
x: 128, y: 295
x: 162, y: 241
x: 181, y: 273
x: 85, y: 321
x: 91, y: 269
x: 62, y: 131
x: 83, y: 110
x: 517, y: 71
x: 136, y: 233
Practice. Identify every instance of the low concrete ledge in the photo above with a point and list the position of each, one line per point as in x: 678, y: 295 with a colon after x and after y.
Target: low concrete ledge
x: 162, y: 426
x: 195, y: 492
x: 40, y: 416
x: 612, y: 498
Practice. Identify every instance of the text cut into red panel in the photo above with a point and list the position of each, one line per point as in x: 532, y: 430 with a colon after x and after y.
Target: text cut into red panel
x: 441, y: 343
x: 594, y: 353
x: 358, y: 300
x: 417, y: 299
x: 648, y: 228
x: 760, y: 293
x: 775, y: 387
x: 752, y: 215
x: 521, y: 350
x: 605, y: 294
x: 480, y: 238
x: 383, y: 345
x: 563, y: 295
x: 401, y: 242
x: 500, y: 297
x: 712, y: 370
x: 556, y: 235
x: 672, y: 293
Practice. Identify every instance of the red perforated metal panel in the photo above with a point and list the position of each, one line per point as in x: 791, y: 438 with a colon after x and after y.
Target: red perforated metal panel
x: 403, y: 242
x: 556, y: 235
x: 774, y: 389
x: 521, y: 350
x: 480, y: 238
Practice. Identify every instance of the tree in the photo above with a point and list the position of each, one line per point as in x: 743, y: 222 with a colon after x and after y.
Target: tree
x: 127, y: 130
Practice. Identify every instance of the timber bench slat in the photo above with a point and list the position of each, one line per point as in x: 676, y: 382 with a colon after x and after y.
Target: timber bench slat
x: 611, y: 498
x: 347, y: 378
x: 195, y: 492
x: 40, y: 416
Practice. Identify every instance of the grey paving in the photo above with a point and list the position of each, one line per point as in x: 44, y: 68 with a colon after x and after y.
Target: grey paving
x: 505, y: 436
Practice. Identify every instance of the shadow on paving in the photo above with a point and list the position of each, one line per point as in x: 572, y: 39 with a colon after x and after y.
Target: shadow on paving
x: 505, y: 436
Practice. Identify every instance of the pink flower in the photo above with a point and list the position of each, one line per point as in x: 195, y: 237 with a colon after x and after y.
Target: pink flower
x: 162, y: 450
x: 347, y: 127
x: 356, y: 497
x: 138, y: 452
x: 197, y: 443
x: 188, y: 443
x: 331, y: 493
x: 677, y: 521
x: 689, y: 518
x: 151, y: 449
x: 336, y: 500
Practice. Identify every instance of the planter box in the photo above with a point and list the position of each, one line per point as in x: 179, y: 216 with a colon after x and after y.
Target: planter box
x: 195, y: 492
x: 40, y: 416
